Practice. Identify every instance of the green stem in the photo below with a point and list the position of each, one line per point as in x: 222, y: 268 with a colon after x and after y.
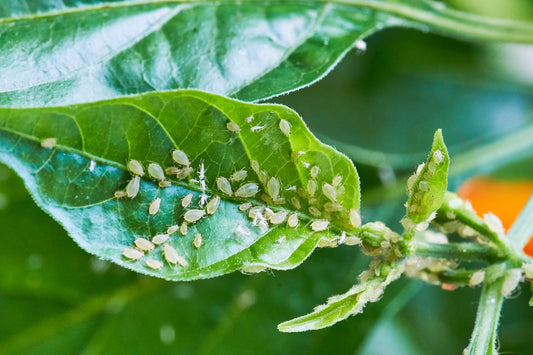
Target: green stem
x: 522, y: 228
x: 470, y: 219
x: 458, y: 251
x: 485, y: 329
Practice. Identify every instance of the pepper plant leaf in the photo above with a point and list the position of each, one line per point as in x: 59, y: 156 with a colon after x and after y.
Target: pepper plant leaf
x: 369, y: 289
x: 428, y: 186
x: 74, y: 161
x: 59, y: 53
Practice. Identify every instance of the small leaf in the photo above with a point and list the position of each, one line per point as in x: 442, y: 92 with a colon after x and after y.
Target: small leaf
x: 428, y: 185
x: 76, y: 180
x: 352, y: 302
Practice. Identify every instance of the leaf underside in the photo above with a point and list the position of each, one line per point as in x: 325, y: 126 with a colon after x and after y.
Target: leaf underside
x: 76, y: 179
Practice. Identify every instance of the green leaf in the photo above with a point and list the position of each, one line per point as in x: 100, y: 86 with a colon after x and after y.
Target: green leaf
x: 371, y: 287
x: 428, y: 185
x: 76, y: 179
x: 58, y: 54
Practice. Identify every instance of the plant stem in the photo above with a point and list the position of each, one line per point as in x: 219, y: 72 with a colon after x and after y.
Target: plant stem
x: 484, y: 334
x: 470, y: 219
x: 522, y: 228
x: 458, y: 251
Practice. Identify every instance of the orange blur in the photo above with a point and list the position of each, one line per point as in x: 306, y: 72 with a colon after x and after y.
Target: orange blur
x: 503, y: 198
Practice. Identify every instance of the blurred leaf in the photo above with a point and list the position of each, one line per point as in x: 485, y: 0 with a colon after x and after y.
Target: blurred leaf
x: 64, y: 53
x: 45, y: 308
x: 75, y: 181
x: 429, y: 184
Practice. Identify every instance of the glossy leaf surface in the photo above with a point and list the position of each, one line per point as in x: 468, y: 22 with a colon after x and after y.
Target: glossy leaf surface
x: 56, y: 53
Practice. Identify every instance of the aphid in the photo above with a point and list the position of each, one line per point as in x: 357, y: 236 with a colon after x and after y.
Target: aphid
x: 355, y: 218
x: 172, y: 256
x: 257, y: 128
x: 144, y: 244
x: 320, y: 225
x: 254, y: 211
x: 431, y: 167
x: 336, y: 181
x: 293, y: 220
x: 132, y: 253
x: 273, y: 187
x: 268, y: 213
x: 312, y: 201
x: 135, y: 167
x: 184, y: 228
x: 120, y: 194
x: 438, y: 157
x: 164, y: 183
x: 156, y: 171
x: 239, y: 175
x: 224, y: 185
x: 263, y: 177
x: 423, y: 186
x: 255, y: 166
x: 213, y: 205
x: 232, y: 126
x: 186, y: 201
x: 192, y: 216
x: 528, y: 270
x: 285, y: 127
x: 278, y: 217
x: 333, y: 207
x: 329, y: 191
x: 184, y: 173
x: 172, y: 229
x: 132, y: 189
x: 245, y: 206
x: 315, y: 211
x: 180, y: 157
x: 160, y: 238
x: 512, y: 279
x: 49, y: 142
x: 311, y: 187
x: 197, y: 242
x: 154, y: 206
x: 494, y: 223
x: 352, y: 240
x: 314, y: 171
x: 247, y: 190
x: 253, y: 269
x: 172, y: 170
x: 295, y: 202
x: 154, y: 264
x: 476, y: 278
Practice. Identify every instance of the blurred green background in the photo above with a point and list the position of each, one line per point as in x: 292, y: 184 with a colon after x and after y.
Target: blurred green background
x: 381, y: 108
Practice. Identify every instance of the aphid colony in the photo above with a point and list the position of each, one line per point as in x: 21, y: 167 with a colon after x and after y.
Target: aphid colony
x: 234, y: 186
